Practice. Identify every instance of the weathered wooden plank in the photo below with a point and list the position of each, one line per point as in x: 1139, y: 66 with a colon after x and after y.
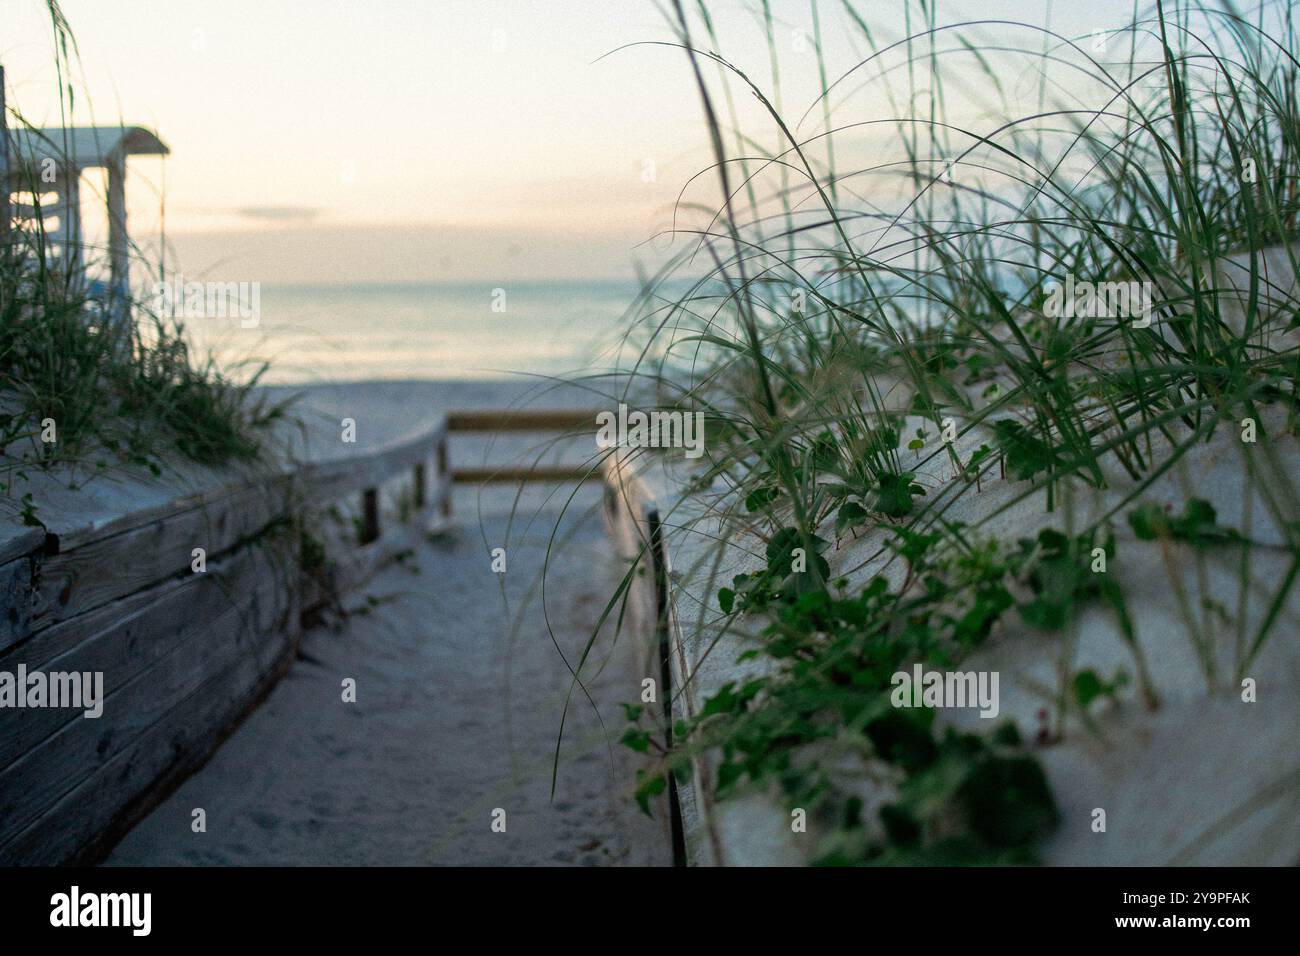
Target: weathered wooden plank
x: 84, y: 578
x: 19, y: 542
x: 104, y: 569
x: 126, y: 637
x: 69, y: 537
x: 353, y: 569
x: 84, y: 823
x: 332, y: 479
x: 15, y: 601
x: 43, y: 774
x: 515, y: 475
x: 522, y: 420
x: 59, y: 638
x: 442, y: 497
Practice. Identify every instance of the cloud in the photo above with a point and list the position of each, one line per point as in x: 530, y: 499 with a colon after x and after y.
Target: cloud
x: 297, y: 215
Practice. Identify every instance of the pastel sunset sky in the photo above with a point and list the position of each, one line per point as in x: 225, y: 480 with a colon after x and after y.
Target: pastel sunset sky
x: 345, y: 141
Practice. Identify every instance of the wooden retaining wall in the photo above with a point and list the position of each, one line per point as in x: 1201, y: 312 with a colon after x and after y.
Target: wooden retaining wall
x: 184, y: 655
x: 636, y: 526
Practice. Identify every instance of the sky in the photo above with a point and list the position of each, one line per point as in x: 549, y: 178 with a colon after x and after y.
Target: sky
x: 395, y: 140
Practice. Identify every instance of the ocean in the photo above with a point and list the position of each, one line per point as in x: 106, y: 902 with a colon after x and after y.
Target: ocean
x: 337, y: 333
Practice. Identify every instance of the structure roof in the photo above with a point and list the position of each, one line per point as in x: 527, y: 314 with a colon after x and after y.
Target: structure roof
x: 85, y: 147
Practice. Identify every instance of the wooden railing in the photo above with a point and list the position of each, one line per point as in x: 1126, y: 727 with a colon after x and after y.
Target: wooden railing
x: 331, y: 481
x: 184, y: 651
x: 334, y: 480
x: 515, y: 420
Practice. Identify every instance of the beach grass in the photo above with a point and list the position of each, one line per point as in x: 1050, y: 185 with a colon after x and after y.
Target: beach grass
x: 854, y: 330
x: 90, y: 384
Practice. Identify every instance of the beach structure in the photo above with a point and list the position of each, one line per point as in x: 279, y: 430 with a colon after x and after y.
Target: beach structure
x: 42, y: 171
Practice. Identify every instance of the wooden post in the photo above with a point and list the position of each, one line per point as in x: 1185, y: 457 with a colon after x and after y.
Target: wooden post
x: 658, y: 566
x: 444, y: 477
x: 119, y: 253
x: 5, y: 221
x: 420, y: 495
x: 369, y: 515
x: 70, y: 226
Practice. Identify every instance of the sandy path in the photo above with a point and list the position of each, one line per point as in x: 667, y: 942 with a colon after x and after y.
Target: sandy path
x: 411, y: 773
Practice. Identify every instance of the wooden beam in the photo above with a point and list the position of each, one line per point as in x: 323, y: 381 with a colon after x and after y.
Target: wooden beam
x: 70, y: 213
x: 93, y: 573
x: 4, y: 163
x: 524, y: 474
x: 369, y: 516
x: 20, y: 542
x: 421, y: 482
x: 119, y: 251
x: 521, y: 420
x: 444, y: 477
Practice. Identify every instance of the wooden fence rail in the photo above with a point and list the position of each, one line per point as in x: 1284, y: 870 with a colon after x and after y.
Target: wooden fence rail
x: 333, y: 480
x: 520, y: 420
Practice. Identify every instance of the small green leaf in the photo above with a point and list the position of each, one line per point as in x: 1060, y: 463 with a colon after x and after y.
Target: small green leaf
x: 1087, y: 688
x: 1026, y: 454
x: 895, y: 494
x: 638, y: 740
x: 1197, y: 525
x: 851, y: 514
x: 649, y: 786
x: 633, y: 711
x: 760, y: 498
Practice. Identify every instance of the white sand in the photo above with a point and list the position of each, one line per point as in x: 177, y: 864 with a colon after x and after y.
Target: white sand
x: 454, y: 717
